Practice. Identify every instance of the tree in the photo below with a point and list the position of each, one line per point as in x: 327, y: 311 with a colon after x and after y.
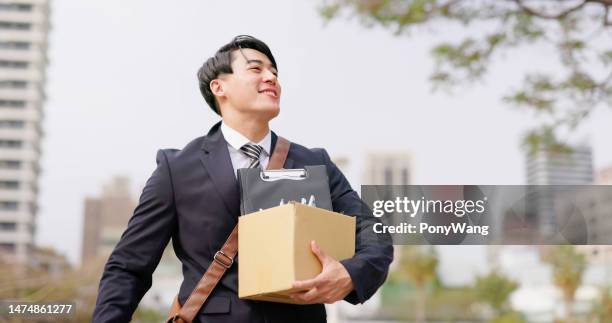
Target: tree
x: 568, y: 265
x: 419, y: 265
x: 494, y: 290
x: 579, y: 30
x: 602, y: 309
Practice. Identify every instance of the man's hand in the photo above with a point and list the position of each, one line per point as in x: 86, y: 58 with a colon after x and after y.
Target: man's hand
x: 330, y: 286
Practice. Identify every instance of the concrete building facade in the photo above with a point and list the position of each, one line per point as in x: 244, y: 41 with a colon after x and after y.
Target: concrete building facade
x: 24, y: 28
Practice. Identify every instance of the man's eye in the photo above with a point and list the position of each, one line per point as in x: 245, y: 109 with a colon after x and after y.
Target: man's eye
x: 256, y: 68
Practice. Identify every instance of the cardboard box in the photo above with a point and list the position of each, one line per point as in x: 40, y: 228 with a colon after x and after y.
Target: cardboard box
x: 274, y: 248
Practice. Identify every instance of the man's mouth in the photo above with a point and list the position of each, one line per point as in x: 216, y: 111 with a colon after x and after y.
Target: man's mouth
x: 270, y: 92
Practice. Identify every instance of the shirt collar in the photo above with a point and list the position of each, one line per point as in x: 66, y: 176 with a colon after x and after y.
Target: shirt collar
x: 237, y: 140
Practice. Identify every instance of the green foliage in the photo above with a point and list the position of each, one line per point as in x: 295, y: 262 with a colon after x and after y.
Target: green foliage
x: 602, y: 309
x: 568, y: 266
x: 146, y: 315
x: 418, y: 265
x: 574, y: 28
x: 510, y: 317
x: 495, y: 289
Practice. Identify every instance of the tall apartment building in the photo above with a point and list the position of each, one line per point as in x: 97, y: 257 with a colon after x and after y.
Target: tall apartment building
x: 105, y: 219
x: 24, y: 27
x: 560, y: 168
x: 555, y: 169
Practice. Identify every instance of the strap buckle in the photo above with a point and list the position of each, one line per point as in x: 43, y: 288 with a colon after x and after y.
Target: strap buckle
x: 226, y: 263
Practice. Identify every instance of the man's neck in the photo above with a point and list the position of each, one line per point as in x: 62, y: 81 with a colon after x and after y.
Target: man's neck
x: 252, y: 129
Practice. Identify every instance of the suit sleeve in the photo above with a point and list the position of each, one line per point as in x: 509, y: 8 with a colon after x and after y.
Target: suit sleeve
x: 373, y: 252
x: 127, y: 273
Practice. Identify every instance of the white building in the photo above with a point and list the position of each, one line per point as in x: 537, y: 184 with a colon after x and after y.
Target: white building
x: 546, y: 167
x: 24, y: 26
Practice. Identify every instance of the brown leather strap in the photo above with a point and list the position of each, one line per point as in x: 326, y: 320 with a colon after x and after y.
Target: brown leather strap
x: 279, y: 155
x: 223, y: 259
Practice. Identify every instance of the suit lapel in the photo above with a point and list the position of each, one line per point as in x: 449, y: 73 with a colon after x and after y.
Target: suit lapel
x: 215, y: 158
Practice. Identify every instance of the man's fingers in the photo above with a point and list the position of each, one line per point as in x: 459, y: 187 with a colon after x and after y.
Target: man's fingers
x: 306, y: 284
x: 318, y: 252
x: 311, y: 296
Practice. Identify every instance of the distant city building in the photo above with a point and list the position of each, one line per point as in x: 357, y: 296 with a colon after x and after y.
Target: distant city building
x: 105, y: 219
x: 24, y: 27
x: 560, y: 168
x: 545, y: 167
x: 387, y: 169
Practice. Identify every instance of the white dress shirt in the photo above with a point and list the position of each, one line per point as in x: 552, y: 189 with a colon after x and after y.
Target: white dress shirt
x: 235, y: 140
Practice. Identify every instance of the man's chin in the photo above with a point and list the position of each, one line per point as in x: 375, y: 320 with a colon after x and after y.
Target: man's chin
x: 269, y: 112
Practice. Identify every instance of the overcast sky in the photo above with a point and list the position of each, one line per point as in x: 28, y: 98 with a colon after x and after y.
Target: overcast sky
x: 122, y: 85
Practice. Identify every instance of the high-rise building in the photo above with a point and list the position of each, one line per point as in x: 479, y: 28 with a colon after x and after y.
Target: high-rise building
x: 24, y: 26
x: 106, y: 218
x: 555, y: 168
x: 573, y: 167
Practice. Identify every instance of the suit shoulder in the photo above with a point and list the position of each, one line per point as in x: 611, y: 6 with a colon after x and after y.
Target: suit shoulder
x: 174, y: 153
x: 309, y: 153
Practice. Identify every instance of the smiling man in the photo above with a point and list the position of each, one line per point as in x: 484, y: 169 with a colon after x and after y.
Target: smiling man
x: 192, y: 198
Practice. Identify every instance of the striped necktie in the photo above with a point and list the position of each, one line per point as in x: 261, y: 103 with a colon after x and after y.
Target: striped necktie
x: 252, y: 151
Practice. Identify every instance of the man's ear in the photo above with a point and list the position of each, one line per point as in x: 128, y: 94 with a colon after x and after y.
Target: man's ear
x: 216, y: 87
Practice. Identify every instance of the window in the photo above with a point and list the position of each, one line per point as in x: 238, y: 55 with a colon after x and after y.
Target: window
x: 15, y: 7
x: 15, y: 25
x: 388, y: 175
x: 10, y: 164
x: 13, y: 84
x: 11, y: 143
x: 9, y: 185
x: 405, y: 178
x: 8, y: 205
x: 12, y: 104
x: 12, y: 124
x: 14, y: 64
x: 14, y: 45
x: 8, y: 226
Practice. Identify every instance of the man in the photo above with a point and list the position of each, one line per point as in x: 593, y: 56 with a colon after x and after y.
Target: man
x: 192, y: 197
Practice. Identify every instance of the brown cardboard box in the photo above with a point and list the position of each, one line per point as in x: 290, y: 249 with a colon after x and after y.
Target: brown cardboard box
x: 274, y: 248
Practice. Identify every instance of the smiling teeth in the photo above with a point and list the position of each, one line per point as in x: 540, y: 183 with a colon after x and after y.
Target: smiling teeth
x: 269, y: 92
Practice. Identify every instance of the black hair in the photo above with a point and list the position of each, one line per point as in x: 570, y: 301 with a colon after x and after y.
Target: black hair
x: 221, y: 63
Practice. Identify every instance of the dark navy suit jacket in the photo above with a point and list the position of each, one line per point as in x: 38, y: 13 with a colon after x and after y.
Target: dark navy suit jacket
x: 193, y: 198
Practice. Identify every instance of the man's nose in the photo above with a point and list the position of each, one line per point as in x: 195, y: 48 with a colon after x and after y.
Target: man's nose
x: 269, y: 77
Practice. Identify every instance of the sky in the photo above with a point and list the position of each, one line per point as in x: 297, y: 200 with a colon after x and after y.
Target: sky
x: 122, y: 84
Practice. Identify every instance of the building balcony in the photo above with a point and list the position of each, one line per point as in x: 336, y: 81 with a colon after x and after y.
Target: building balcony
x: 36, y: 16
x: 29, y: 74
x: 35, y: 55
x: 26, y: 114
x: 34, y: 35
x: 21, y: 94
x: 23, y: 154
